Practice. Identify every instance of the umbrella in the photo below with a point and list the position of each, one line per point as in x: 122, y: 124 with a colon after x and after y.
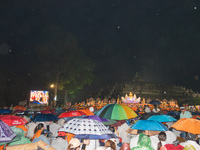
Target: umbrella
x: 45, y: 117
x: 71, y: 114
x: 116, y: 112
x: 174, y: 114
x: 97, y: 118
x: 147, y: 115
x: 5, y: 111
x: 110, y: 122
x: 190, y: 125
x: 86, y: 111
x: 7, y: 133
x: 19, y: 107
x: 47, y: 112
x: 118, y: 123
x: 13, y: 120
x: 150, y: 125
x: 155, y: 102
x: 162, y: 118
x: 87, y: 129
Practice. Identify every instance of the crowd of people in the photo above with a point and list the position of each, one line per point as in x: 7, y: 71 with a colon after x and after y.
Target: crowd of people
x: 128, y: 139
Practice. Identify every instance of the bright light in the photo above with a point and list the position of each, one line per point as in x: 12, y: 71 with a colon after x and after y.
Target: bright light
x: 52, y: 85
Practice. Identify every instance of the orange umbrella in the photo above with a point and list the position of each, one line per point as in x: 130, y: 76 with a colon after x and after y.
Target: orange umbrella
x: 86, y: 111
x: 188, y: 125
x: 19, y: 108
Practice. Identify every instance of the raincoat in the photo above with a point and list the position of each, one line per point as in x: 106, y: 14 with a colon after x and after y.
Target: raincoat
x: 144, y: 143
x: 19, y: 139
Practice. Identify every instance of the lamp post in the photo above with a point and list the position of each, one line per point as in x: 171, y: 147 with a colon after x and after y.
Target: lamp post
x: 55, y: 93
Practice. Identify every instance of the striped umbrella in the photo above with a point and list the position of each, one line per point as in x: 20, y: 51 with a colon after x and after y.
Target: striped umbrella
x: 116, y: 112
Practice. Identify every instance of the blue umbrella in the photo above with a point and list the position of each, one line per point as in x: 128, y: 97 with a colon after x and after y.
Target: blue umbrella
x: 162, y: 118
x: 45, y: 117
x: 5, y: 111
x: 150, y: 125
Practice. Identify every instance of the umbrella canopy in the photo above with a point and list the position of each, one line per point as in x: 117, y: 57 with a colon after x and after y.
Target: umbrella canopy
x: 13, y: 120
x: 155, y: 102
x: 86, y: 111
x: 7, y: 133
x: 110, y: 122
x: 190, y: 125
x: 71, y: 114
x: 19, y: 107
x: 150, y: 125
x: 87, y: 128
x: 174, y: 114
x: 116, y: 112
x: 162, y: 118
x: 45, y: 117
x: 47, y: 112
x: 147, y: 115
x: 5, y: 111
x: 97, y: 118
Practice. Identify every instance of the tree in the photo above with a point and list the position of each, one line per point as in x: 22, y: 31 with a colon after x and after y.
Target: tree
x: 59, y: 60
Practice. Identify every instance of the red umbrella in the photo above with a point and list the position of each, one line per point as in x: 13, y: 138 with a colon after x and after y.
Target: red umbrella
x: 71, y: 114
x: 13, y: 120
x: 47, y: 112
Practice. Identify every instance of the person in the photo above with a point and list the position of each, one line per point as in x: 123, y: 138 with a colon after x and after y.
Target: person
x: 53, y: 128
x: 30, y: 132
x: 161, y: 138
x: 170, y: 136
x: 191, y: 139
x: 109, y: 145
x: 184, y: 114
x: 59, y: 143
x: 144, y: 143
x: 147, y: 109
x: 156, y: 109
x: 44, y: 136
x: 134, y: 140
x: 38, y: 130
x: 74, y: 144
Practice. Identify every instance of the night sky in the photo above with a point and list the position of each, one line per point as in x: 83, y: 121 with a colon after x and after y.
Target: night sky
x: 157, y: 38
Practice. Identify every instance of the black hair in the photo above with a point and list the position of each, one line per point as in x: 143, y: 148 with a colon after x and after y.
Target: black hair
x: 161, y: 137
x: 38, y: 127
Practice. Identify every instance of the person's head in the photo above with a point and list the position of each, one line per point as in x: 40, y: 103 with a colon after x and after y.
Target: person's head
x: 140, y: 131
x: 74, y: 144
x: 112, y: 129
x: 111, y: 144
x: 144, y: 140
x: 40, y: 126
x: 190, y: 136
x: 182, y: 109
x: 161, y: 137
x: 46, y: 133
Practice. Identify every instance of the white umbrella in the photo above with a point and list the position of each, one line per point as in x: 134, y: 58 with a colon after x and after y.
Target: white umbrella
x: 87, y: 128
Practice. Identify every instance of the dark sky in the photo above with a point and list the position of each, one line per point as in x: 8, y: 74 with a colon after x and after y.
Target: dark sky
x: 157, y: 38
